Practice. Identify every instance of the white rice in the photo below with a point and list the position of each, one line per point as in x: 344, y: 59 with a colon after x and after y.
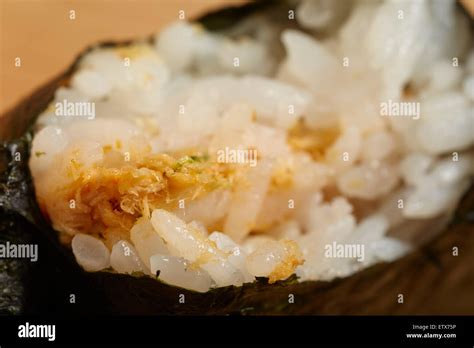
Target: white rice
x: 333, y: 178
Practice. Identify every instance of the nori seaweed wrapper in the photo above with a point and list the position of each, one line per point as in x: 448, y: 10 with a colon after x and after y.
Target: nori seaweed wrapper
x: 431, y: 279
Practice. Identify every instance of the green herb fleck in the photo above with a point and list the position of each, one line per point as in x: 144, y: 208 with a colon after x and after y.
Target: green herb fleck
x: 187, y: 160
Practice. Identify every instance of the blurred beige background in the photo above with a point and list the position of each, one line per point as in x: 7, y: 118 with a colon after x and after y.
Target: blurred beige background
x: 47, y: 41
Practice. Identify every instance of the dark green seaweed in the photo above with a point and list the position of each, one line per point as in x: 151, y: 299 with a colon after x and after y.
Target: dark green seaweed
x: 225, y: 18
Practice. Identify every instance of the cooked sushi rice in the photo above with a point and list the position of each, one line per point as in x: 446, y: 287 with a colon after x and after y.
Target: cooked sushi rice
x: 207, y: 159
